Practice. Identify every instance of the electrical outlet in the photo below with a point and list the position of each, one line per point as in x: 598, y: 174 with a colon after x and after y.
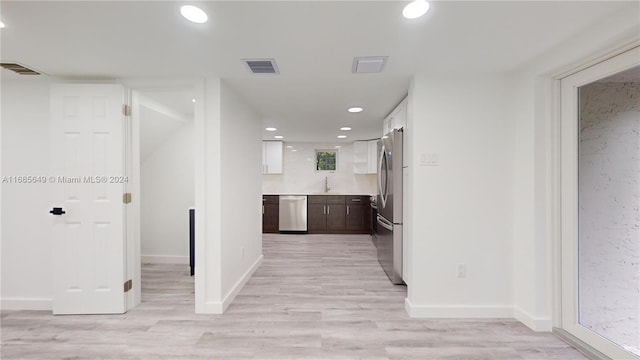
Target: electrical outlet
x: 462, y: 271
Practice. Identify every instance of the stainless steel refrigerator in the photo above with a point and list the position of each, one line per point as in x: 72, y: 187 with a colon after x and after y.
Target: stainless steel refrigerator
x: 389, y: 202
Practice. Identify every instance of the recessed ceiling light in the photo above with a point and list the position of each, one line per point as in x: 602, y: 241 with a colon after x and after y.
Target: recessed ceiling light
x: 294, y: 150
x: 342, y: 136
x: 270, y: 129
x: 355, y: 109
x: 415, y: 9
x: 278, y: 137
x: 289, y: 147
x: 194, y: 14
x: 337, y: 147
x: 193, y: 100
x: 1, y: 25
x: 345, y: 128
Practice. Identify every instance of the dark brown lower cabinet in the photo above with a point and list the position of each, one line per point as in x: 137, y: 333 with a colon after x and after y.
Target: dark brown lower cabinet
x: 336, y: 219
x: 316, y: 216
x: 326, y: 214
x: 270, y: 214
x: 358, y: 214
x: 337, y: 214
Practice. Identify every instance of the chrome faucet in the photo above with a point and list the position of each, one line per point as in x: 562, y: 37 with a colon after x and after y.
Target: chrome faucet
x: 326, y: 184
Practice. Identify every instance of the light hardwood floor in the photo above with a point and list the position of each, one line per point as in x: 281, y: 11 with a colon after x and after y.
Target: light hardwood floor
x: 314, y: 297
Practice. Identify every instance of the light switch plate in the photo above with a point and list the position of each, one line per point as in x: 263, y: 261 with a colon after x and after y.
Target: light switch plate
x: 429, y: 159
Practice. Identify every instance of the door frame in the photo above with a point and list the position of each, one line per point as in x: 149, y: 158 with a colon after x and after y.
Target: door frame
x: 133, y: 253
x: 563, y: 205
x: 113, y: 300
x: 132, y: 210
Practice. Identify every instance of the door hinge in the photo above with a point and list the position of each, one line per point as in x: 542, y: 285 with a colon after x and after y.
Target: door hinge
x: 126, y: 198
x: 128, y: 285
x: 126, y: 110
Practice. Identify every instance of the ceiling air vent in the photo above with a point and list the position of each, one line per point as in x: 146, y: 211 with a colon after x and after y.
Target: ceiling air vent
x: 17, y: 68
x: 261, y: 66
x: 368, y: 64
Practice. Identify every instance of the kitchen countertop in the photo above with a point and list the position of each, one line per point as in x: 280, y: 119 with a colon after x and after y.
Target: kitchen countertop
x: 308, y: 194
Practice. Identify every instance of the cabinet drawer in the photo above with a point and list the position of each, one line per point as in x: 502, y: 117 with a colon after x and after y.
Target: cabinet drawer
x: 317, y: 199
x: 270, y: 199
x: 335, y: 199
x: 357, y: 199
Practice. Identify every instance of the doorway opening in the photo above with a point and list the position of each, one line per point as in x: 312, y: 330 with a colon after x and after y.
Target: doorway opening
x: 167, y: 178
x: 600, y: 238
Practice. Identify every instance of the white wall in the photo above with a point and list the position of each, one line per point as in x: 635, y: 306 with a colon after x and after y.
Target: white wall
x: 26, y: 244
x: 241, y: 139
x: 228, y: 174
x: 167, y: 191
x: 462, y: 208
x: 535, y: 163
x: 609, y: 212
x: 300, y: 177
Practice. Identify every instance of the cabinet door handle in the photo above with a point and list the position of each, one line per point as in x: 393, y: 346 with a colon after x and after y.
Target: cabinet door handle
x: 324, y: 209
x: 347, y: 209
x: 262, y: 209
x: 328, y: 209
x: 356, y: 200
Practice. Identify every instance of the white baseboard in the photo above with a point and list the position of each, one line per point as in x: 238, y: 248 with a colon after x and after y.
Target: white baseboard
x: 532, y: 322
x: 164, y: 259
x: 235, y: 290
x: 27, y: 304
x: 458, y: 311
x: 219, y: 307
x: 211, y: 307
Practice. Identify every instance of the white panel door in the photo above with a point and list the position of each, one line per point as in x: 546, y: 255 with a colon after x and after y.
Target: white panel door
x: 88, y: 231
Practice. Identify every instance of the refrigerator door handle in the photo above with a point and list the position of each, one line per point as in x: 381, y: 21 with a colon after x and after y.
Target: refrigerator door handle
x: 384, y: 223
x: 381, y: 173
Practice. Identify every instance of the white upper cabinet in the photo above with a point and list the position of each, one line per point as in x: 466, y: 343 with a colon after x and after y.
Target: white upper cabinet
x: 372, y: 147
x: 397, y: 119
x: 272, y: 157
x: 365, y: 159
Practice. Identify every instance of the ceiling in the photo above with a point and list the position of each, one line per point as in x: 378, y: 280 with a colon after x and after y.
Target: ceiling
x: 313, y: 43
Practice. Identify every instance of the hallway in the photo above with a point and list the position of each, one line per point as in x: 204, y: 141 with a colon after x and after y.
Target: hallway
x: 314, y: 297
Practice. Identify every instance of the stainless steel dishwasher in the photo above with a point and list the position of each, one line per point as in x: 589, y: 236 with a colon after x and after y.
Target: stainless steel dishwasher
x: 293, y: 213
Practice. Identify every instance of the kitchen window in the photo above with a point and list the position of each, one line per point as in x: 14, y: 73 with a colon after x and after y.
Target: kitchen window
x: 326, y: 160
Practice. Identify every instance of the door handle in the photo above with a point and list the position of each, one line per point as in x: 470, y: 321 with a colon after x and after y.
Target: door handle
x: 347, y: 209
x: 324, y: 209
x: 328, y: 209
x: 384, y: 223
x: 57, y: 211
x: 262, y: 209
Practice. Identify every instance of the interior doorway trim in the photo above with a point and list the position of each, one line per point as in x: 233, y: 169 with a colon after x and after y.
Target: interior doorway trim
x: 564, y: 210
x: 133, y: 259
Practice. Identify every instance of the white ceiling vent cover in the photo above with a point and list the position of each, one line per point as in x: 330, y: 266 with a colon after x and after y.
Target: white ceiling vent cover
x: 261, y: 66
x: 368, y: 64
